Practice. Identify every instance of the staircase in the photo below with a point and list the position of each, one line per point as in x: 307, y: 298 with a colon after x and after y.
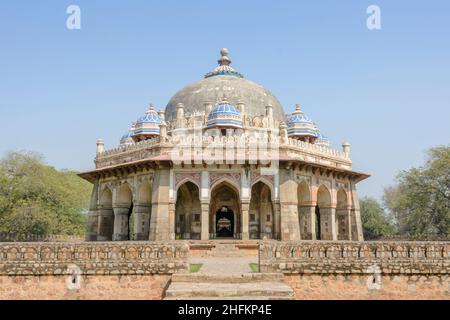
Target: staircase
x: 224, y: 250
x: 246, y: 286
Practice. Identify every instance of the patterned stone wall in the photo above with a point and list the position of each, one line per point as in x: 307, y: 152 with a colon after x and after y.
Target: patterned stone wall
x: 93, y: 258
x: 328, y: 257
x: 361, y: 270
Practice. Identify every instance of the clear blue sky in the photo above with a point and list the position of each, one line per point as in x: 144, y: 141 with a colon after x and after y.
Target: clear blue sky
x: 387, y: 92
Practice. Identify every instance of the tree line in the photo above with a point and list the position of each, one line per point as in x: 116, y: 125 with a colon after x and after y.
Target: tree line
x: 417, y: 206
x: 37, y: 199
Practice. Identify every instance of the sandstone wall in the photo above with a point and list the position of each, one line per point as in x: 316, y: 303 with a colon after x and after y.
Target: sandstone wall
x: 361, y: 270
x: 358, y: 287
x: 92, y: 270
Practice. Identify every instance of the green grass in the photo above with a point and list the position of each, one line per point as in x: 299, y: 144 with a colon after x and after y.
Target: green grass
x: 195, y: 267
x: 254, y: 267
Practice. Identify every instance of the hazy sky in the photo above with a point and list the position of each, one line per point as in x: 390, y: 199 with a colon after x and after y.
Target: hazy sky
x: 385, y: 91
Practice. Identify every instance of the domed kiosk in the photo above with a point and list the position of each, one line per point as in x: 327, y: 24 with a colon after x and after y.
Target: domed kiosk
x: 223, y: 161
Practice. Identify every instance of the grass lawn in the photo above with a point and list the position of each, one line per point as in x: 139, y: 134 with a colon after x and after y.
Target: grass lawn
x: 194, y: 267
x: 254, y: 267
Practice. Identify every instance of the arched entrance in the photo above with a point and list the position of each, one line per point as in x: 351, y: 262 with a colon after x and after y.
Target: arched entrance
x: 224, y: 223
x: 188, y: 212
x: 224, y: 205
x: 323, y: 214
x: 261, y: 217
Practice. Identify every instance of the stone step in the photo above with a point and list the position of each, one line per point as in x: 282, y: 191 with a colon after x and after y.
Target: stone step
x: 231, y: 278
x: 221, y: 290
x: 225, y: 254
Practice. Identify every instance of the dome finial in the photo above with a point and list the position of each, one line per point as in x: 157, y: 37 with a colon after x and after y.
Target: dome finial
x: 224, y: 59
x: 298, y: 107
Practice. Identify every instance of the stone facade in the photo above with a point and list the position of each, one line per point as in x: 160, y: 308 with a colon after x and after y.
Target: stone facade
x: 234, y: 168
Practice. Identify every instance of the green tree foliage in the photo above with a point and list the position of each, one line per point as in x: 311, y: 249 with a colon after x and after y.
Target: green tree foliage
x: 374, y: 220
x: 37, y: 199
x: 420, y: 201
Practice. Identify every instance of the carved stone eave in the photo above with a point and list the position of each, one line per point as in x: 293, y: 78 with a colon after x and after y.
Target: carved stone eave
x: 339, y: 173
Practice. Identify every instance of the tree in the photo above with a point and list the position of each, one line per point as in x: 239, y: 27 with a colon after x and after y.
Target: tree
x: 35, y: 198
x: 420, y: 201
x: 374, y: 220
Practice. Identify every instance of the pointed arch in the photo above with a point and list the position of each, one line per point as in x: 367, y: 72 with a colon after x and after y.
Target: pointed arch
x: 124, y: 195
x: 224, y: 195
x: 105, y: 215
x: 343, y: 215
x: 261, y: 211
x: 306, y: 217
x: 105, y: 197
x: 342, y: 199
x: 323, y: 197
x: 225, y: 181
x: 266, y: 182
x: 188, y: 211
x: 303, y: 193
x: 183, y: 182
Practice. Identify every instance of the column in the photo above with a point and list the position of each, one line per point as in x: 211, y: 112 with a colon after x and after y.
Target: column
x: 159, y: 218
x: 358, y: 232
x: 105, y: 216
x: 328, y: 224
x: 187, y: 221
x: 333, y: 224
x: 290, y: 229
x: 142, y: 221
x: 92, y: 219
x: 172, y: 221
x: 205, y: 220
x: 245, y: 206
x: 276, y: 218
x: 307, y: 215
x: 204, y: 203
x: 120, y: 222
x: 349, y: 224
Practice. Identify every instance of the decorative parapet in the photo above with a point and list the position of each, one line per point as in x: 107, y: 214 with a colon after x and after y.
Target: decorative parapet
x: 105, y: 258
x: 327, y: 257
x: 243, y: 143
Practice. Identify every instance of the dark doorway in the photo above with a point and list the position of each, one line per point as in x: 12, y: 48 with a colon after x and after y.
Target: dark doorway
x: 224, y: 223
x: 318, y: 231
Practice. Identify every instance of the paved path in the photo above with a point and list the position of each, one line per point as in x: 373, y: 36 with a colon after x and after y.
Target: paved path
x: 222, y: 265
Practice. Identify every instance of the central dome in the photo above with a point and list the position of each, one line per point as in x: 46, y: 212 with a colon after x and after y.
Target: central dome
x: 224, y: 81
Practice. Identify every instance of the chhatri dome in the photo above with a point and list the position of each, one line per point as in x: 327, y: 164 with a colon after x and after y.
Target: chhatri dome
x: 224, y: 114
x: 224, y: 81
x: 147, y: 125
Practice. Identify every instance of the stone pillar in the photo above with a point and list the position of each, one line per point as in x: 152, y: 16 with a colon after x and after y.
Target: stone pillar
x: 142, y: 221
x: 356, y: 215
x: 120, y: 222
x: 307, y: 215
x: 328, y: 224
x: 105, y: 223
x: 290, y: 229
x: 172, y: 221
x: 205, y: 220
x: 187, y: 221
x: 344, y: 224
x: 159, y: 219
x: 245, y: 206
x: 92, y: 219
x: 277, y: 220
